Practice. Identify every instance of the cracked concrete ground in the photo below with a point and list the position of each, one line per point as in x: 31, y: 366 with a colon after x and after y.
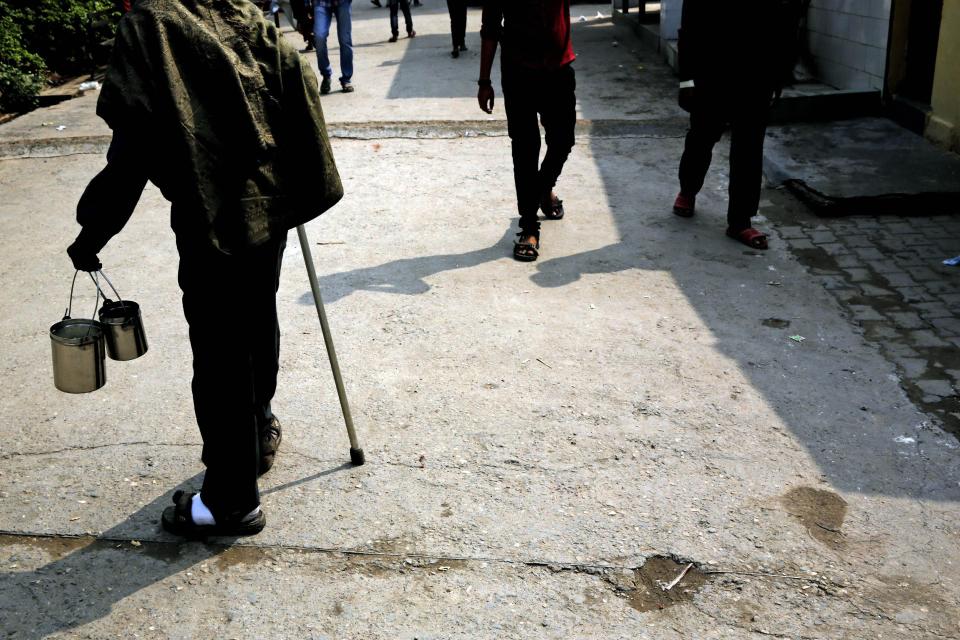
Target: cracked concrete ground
x: 546, y: 442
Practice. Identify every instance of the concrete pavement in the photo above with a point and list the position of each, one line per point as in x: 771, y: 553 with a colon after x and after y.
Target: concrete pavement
x: 546, y: 442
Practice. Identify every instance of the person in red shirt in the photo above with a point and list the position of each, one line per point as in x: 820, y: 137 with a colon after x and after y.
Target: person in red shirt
x: 538, y: 80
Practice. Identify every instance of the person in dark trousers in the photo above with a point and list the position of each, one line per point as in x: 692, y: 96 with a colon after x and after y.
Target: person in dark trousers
x: 235, y: 139
x: 458, y: 25
x: 395, y: 6
x: 538, y: 80
x: 731, y: 58
x: 303, y: 15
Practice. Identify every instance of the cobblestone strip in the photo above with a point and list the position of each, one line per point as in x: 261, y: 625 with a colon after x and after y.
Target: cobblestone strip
x: 888, y: 272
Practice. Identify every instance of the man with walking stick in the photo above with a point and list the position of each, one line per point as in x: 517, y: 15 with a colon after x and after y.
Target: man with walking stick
x: 237, y: 142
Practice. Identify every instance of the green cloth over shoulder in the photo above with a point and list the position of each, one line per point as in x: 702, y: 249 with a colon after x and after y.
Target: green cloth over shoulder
x: 229, y: 115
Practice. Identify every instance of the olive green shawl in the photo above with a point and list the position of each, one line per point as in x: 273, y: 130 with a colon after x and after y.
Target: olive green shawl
x: 230, y: 116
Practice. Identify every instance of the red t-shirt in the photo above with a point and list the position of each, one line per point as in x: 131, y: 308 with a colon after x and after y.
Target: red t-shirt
x: 532, y: 33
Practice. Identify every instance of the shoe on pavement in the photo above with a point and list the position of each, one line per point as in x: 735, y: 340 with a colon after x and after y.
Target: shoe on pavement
x: 178, y: 521
x: 346, y: 87
x: 393, y: 38
x: 325, y: 86
x: 411, y: 34
x: 271, y: 435
x: 685, y: 206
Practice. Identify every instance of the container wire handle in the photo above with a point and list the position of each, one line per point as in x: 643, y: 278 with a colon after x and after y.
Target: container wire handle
x: 113, y: 288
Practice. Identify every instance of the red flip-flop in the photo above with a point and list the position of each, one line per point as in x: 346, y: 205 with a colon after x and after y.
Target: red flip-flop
x: 750, y: 237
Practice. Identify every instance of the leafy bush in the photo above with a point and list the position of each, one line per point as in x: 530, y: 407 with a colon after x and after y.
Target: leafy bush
x: 21, y: 72
x: 60, y: 36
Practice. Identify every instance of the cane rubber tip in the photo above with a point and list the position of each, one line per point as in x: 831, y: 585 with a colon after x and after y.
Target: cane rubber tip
x: 356, y: 457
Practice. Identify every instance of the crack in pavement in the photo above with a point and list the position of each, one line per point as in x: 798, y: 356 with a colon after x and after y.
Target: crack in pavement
x: 587, y: 568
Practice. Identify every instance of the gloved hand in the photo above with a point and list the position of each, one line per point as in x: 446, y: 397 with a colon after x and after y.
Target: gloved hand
x: 84, y: 259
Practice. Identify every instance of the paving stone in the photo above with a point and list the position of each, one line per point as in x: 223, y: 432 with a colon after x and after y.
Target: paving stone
x: 926, y: 338
x: 931, y: 310
x: 822, y: 237
x: 951, y: 326
x: 791, y: 232
x: 912, y: 368
x: 833, y: 282
x: 875, y: 291
x: 858, y: 275
x: 869, y: 253
x: 802, y: 245
x: 863, y: 312
x: 835, y: 249
x: 952, y: 300
x: 923, y: 274
x: 941, y: 286
x: 899, y: 280
x: 939, y: 387
x: 858, y: 241
x: 907, y: 320
x: 915, y: 295
x: 897, y: 349
x: 846, y: 294
x: 848, y: 261
x: 882, y: 264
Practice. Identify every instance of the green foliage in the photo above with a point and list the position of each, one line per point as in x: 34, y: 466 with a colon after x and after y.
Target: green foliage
x: 21, y: 72
x: 62, y: 36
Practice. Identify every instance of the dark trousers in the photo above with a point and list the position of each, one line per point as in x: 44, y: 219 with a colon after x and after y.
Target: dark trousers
x: 551, y: 95
x: 402, y: 5
x: 458, y: 22
x: 230, y: 303
x: 746, y: 116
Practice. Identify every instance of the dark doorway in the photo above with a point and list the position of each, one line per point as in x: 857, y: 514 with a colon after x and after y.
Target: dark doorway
x: 922, y: 43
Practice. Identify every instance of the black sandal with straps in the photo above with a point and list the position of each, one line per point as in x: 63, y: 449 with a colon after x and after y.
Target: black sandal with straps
x: 178, y: 521
x: 525, y: 251
x: 552, y: 210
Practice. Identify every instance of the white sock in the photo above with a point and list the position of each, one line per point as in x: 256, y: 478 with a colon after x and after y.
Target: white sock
x: 199, y: 512
x: 201, y: 515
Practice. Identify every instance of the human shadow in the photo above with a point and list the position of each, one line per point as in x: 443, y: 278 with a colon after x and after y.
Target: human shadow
x: 729, y: 286
x: 90, y: 576
x: 407, y: 276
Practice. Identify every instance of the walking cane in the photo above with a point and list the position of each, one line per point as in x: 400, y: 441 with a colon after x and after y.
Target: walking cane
x: 356, y: 453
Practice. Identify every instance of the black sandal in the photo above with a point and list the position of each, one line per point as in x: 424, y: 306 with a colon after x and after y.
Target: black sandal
x: 178, y: 521
x: 525, y: 251
x: 553, y: 210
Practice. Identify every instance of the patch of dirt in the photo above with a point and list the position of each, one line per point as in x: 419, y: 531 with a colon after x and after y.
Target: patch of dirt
x: 821, y: 512
x: 651, y: 580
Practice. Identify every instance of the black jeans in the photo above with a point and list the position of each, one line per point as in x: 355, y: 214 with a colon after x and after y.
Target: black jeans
x: 551, y: 94
x: 403, y: 5
x: 458, y: 22
x: 230, y: 303
x: 746, y: 115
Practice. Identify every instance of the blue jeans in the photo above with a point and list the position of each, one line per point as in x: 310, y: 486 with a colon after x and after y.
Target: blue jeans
x: 323, y: 16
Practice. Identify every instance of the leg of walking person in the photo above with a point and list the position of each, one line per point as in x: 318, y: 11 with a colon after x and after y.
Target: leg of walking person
x: 520, y: 103
x: 748, y: 130
x: 223, y: 378
x: 407, y: 17
x: 394, y: 6
x: 460, y: 30
x: 558, y: 114
x: 266, y: 352
x: 707, y: 123
x: 321, y: 30
x: 345, y: 38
